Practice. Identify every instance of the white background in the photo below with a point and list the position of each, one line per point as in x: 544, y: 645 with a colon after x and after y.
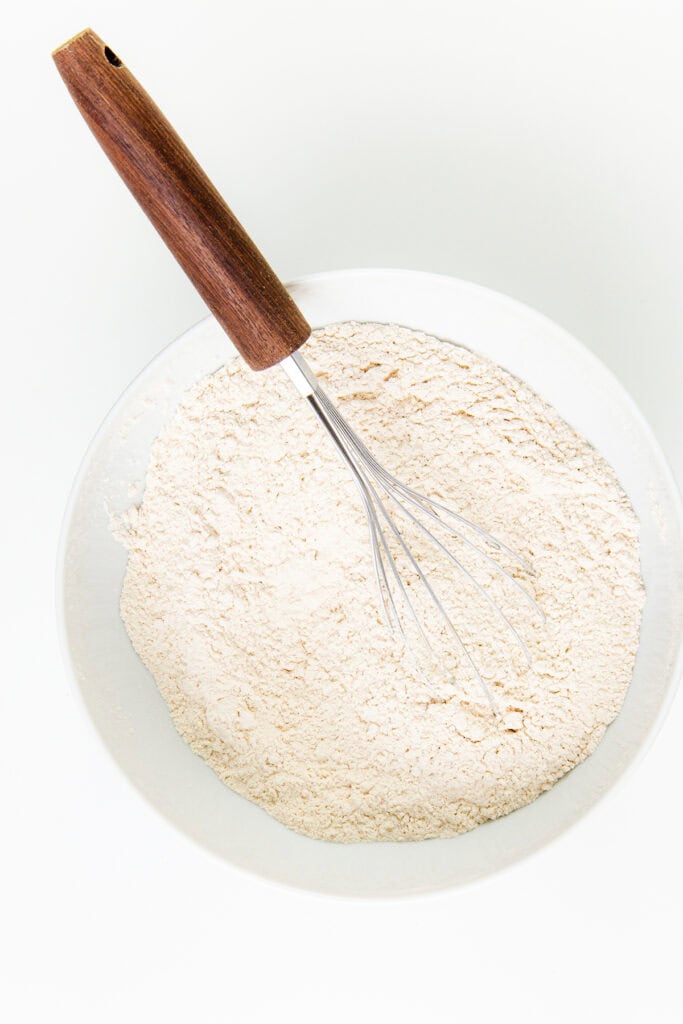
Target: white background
x: 535, y: 147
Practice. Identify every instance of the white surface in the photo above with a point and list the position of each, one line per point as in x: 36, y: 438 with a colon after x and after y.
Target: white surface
x: 127, y: 710
x: 534, y: 147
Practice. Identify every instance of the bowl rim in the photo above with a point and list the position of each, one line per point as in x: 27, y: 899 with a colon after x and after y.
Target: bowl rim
x: 571, y: 343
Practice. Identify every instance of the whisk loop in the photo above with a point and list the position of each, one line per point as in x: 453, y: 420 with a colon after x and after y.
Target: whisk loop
x: 373, y: 481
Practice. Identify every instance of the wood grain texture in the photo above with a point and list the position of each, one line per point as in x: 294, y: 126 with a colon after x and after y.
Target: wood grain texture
x: 212, y: 247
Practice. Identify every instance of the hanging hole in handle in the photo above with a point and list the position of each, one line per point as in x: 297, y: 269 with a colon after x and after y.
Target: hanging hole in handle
x: 112, y: 58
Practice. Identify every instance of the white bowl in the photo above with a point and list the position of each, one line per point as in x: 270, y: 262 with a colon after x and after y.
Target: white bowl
x: 130, y: 716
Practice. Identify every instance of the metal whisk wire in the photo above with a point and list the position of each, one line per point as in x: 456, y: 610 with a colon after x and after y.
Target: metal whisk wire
x: 370, y: 477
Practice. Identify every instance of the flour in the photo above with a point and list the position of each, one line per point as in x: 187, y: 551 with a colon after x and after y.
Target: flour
x: 250, y: 597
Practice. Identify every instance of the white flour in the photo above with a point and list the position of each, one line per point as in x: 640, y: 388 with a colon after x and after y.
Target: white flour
x: 250, y: 597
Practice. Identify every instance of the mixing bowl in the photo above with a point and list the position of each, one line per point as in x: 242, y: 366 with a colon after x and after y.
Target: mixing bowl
x: 121, y: 698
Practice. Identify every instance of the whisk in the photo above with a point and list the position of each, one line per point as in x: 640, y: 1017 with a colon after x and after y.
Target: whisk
x: 267, y: 328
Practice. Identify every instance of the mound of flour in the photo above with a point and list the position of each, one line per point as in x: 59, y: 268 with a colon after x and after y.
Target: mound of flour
x: 250, y: 597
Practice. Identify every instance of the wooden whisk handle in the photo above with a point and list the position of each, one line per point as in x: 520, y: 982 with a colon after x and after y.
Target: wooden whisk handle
x: 212, y: 247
